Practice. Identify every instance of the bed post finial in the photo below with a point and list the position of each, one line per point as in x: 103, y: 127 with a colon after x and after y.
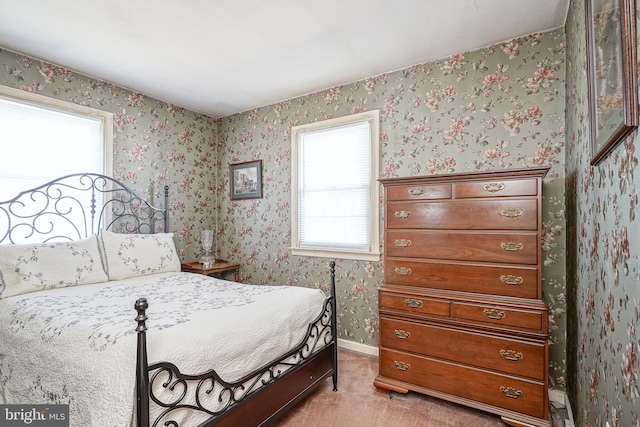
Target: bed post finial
x: 141, y: 307
x: 142, y: 369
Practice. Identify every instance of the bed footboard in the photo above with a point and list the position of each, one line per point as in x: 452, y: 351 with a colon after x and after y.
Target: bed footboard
x: 257, y: 399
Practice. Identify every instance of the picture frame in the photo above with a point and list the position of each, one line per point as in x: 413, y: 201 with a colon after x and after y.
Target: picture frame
x: 245, y: 180
x: 611, y: 73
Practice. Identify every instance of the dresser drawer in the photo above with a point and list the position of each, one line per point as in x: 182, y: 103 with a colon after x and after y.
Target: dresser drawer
x: 521, y: 214
x: 514, y: 248
x: 532, y: 320
x: 419, y: 192
x: 504, y: 391
x: 509, y: 356
x: 414, y: 304
x: 498, y: 188
x: 521, y: 282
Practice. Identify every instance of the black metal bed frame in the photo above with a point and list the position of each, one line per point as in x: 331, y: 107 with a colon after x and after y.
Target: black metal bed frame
x: 82, y: 204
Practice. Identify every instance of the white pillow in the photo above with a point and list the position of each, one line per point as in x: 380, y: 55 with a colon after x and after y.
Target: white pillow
x: 29, y: 268
x: 132, y: 255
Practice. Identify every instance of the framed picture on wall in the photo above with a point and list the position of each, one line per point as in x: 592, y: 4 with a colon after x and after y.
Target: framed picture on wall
x: 246, y: 180
x: 611, y: 73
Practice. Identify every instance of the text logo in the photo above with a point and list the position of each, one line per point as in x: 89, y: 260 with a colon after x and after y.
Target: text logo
x: 34, y: 415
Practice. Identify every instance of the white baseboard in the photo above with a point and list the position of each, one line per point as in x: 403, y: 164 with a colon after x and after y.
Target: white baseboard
x: 562, y: 398
x: 358, y: 347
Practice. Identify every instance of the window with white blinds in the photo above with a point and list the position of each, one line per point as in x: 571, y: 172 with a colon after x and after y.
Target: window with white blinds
x: 335, y: 188
x: 43, y: 138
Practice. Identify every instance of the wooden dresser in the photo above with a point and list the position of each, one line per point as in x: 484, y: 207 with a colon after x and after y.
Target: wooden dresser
x: 462, y: 315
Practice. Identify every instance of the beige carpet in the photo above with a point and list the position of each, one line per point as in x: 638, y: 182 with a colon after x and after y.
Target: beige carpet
x: 358, y: 404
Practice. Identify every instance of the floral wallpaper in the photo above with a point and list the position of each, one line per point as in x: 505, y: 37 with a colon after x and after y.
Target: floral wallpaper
x: 497, y: 108
x: 603, y: 259
x: 154, y: 143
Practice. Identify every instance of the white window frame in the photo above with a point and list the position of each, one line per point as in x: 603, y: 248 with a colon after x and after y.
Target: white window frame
x: 373, y: 254
x: 63, y: 106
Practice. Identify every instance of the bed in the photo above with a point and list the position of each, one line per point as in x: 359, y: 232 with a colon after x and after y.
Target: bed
x: 95, y: 313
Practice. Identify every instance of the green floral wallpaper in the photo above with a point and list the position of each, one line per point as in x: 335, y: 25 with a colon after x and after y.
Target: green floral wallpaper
x: 497, y: 108
x: 603, y: 259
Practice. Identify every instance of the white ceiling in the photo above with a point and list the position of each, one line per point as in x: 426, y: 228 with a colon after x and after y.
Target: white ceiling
x: 221, y: 57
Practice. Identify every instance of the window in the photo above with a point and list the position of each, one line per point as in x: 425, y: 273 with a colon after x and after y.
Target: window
x: 335, y: 193
x: 42, y: 138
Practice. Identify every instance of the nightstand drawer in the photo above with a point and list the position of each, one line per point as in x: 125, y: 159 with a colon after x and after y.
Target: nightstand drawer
x: 509, y: 356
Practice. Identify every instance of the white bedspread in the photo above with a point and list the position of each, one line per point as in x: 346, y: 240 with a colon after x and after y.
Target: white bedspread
x: 77, y: 345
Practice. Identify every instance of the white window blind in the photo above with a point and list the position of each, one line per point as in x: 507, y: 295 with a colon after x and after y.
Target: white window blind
x: 335, y: 187
x: 41, y: 142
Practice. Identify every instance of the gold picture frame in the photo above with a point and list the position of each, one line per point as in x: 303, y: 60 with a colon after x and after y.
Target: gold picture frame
x: 611, y: 72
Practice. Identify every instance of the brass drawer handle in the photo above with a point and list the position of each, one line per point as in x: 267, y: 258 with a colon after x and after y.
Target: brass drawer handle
x: 511, y: 392
x: 494, y: 313
x: 403, y: 243
x: 403, y: 335
x: 416, y: 191
x: 403, y: 214
x: 511, y: 280
x: 511, y: 355
x: 402, y: 366
x: 511, y: 213
x: 511, y: 246
x: 403, y: 271
x: 494, y: 187
x: 413, y: 303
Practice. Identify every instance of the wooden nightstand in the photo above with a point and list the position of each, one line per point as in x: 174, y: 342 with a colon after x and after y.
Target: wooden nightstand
x: 219, y: 266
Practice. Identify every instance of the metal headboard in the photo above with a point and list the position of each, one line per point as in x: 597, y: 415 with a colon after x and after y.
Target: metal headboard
x: 75, y: 206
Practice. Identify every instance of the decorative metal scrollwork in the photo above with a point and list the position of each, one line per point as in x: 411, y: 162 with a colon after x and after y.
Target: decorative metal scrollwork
x: 494, y: 313
x: 403, y: 214
x: 417, y: 191
x: 511, y: 355
x: 511, y: 213
x: 403, y: 243
x: 494, y: 187
x: 402, y: 366
x: 403, y: 271
x: 510, y: 279
x: 403, y: 335
x: 76, y: 206
x: 209, y: 395
x: 511, y: 246
x: 511, y: 392
x: 413, y: 303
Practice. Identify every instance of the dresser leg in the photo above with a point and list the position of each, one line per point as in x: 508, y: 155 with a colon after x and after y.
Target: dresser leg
x: 384, y: 386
